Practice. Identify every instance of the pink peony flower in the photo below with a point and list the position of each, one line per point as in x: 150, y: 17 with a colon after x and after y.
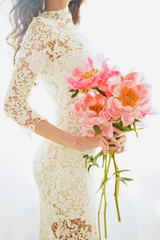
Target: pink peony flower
x: 93, y: 110
x: 105, y: 75
x: 130, y: 98
x: 90, y: 76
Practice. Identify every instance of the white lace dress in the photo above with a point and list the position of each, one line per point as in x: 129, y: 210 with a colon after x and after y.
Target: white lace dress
x: 53, y: 47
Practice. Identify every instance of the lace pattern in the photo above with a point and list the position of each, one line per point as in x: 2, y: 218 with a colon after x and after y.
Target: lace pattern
x: 67, y: 193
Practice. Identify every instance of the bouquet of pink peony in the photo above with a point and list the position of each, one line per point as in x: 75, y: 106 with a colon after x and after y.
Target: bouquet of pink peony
x: 107, y: 99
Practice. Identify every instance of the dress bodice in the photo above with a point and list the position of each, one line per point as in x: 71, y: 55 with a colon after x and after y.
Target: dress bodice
x: 52, y: 47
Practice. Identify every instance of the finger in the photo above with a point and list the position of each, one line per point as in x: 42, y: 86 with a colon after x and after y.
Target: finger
x: 123, y: 144
x: 112, y: 148
x: 120, y: 151
x: 110, y: 144
x: 121, y: 139
x: 107, y: 139
x: 116, y: 130
x: 116, y: 135
x: 115, y: 142
x: 111, y: 141
x: 104, y: 147
x: 106, y: 144
x: 103, y: 137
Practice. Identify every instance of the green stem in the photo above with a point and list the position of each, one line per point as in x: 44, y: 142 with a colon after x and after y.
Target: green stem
x: 110, y: 156
x: 99, y: 230
x: 104, y: 190
x: 105, y: 206
x: 98, y: 155
x: 116, y: 187
x: 103, y: 193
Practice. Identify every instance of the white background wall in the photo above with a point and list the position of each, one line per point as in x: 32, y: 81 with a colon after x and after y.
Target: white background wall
x: 128, y: 33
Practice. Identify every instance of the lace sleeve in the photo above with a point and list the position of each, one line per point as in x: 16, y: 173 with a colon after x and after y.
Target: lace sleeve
x: 36, y: 50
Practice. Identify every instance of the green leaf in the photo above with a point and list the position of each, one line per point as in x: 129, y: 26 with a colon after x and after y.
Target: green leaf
x: 118, y: 119
x: 92, y: 166
x: 103, y: 163
x: 98, y: 155
x: 124, y: 178
x: 91, y: 158
x: 118, y: 125
x: 136, y: 120
x: 86, y: 156
x: 89, y: 167
x: 96, y: 164
x: 75, y: 94
x: 103, y: 184
x: 97, y: 129
x: 101, y: 92
x: 129, y: 127
x: 72, y: 90
x: 127, y: 179
x: 119, y: 171
x: 86, y: 163
x: 118, y: 178
x: 124, y: 182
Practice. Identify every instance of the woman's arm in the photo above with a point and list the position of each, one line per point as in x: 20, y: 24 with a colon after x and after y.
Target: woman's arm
x: 36, y: 50
x: 51, y: 132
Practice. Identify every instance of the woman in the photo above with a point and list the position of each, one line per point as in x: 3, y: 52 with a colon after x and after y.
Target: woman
x: 47, y: 43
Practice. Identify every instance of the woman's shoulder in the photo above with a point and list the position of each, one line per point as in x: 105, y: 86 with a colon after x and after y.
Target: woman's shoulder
x: 38, y: 33
x: 40, y: 25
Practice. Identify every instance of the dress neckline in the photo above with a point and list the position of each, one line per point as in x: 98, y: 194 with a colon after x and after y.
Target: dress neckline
x: 61, y: 14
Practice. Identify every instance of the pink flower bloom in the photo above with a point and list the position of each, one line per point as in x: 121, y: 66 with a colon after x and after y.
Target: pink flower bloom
x: 92, y: 110
x: 105, y: 75
x: 90, y: 76
x: 131, y: 98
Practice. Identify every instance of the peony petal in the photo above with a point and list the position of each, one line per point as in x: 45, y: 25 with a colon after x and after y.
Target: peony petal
x: 127, y: 119
x: 71, y: 81
x: 113, y: 110
x: 129, y: 84
x: 131, y: 77
x: 94, y: 120
x: 116, y: 71
x: 88, y: 132
x: 138, y: 115
x: 103, y: 87
x: 99, y: 58
x: 105, y: 65
x: 107, y: 128
x: 77, y: 72
x: 90, y: 114
x: 90, y: 65
x: 77, y: 108
x: 114, y: 82
x: 85, y: 122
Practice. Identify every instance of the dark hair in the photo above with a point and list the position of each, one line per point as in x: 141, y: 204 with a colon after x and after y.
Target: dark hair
x: 23, y: 12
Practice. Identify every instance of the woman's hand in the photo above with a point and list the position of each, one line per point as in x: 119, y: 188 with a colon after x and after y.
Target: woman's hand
x: 121, y: 138
x: 100, y: 140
